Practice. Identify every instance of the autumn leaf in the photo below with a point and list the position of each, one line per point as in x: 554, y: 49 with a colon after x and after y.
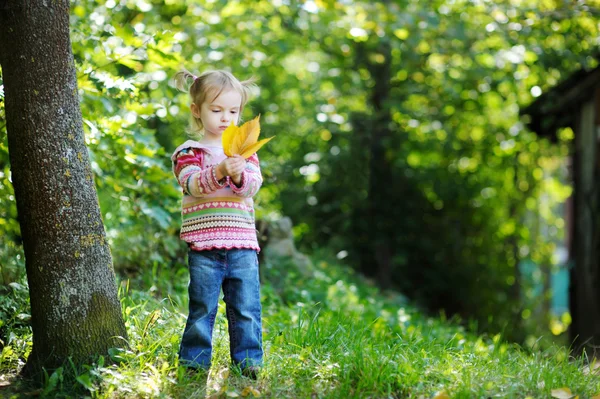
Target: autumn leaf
x: 562, y: 393
x: 592, y: 368
x: 217, y: 384
x: 243, y: 140
x: 251, y: 134
x: 250, y: 390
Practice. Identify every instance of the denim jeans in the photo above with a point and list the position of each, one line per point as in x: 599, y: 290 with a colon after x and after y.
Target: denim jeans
x: 236, y: 271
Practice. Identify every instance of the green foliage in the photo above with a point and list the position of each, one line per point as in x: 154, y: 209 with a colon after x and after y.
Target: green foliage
x: 397, y: 127
x: 353, y: 342
x: 122, y: 85
x: 11, y: 252
x: 420, y: 150
x: 15, y: 329
x: 12, y: 262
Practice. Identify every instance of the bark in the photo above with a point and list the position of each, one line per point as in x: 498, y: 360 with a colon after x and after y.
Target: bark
x: 512, y: 242
x: 585, y: 276
x: 74, y: 305
x: 382, y: 227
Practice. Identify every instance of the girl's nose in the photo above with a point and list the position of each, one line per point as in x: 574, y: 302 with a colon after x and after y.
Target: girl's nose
x: 225, y: 117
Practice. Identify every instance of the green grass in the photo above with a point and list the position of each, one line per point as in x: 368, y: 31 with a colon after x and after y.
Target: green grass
x: 331, y: 335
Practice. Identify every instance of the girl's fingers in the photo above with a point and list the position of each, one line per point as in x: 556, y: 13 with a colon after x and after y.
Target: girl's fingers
x: 235, y: 165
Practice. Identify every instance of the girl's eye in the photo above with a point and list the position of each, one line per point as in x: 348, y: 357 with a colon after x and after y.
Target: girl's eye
x: 234, y: 112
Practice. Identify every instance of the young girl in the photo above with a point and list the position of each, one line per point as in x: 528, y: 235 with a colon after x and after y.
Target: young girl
x: 218, y: 225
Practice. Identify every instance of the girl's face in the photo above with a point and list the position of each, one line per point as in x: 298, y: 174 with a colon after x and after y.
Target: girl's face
x: 218, y: 114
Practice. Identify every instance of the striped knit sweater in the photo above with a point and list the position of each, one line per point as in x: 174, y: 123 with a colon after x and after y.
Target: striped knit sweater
x: 215, y: 214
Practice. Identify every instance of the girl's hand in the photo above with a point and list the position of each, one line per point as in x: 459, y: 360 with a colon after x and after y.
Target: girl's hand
x: 233, y: 167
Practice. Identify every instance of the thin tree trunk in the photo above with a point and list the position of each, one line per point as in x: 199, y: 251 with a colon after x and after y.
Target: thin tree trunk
x: 585, y: 276
x: 381, y: 171
x: 74, y: 306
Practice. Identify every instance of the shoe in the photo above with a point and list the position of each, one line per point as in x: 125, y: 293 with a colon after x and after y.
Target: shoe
x: 251, y: 372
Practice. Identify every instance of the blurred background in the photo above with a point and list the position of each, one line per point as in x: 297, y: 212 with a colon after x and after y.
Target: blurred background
x: 402, y: 146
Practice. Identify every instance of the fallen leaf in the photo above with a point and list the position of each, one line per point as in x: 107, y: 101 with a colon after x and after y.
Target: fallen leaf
x: 250, y: 390
x: 243, y: 140
x: 562, y: 393
x: 224, y: 374
x: 441, y: 395
x: 217, y: 383
x: 592, y: 368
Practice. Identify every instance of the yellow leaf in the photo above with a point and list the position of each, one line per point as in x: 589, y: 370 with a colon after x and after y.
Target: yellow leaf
x: 441, y: 395
x: 250, y: 390
x: 227, y: 138
x: 252, y: 132
x: 224, y: 374
x: 243, y: 140
x: 254, y: 148
x: 562, y: 393
x: 592, y: 368
x: 239, y: 139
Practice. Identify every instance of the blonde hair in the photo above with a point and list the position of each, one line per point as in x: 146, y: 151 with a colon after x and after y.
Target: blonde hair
x: 208, y: 86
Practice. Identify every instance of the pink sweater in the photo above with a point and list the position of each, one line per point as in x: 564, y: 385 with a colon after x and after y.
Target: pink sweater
x: 215, y: 214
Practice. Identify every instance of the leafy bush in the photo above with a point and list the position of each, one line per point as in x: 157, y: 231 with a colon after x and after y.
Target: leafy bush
x: 15, y: 326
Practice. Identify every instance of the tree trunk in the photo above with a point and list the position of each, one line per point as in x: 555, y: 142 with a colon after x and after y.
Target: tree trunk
x: 74, y: 305
x: 512, y: 245
x: 585, y: 276
x: 380, y: 212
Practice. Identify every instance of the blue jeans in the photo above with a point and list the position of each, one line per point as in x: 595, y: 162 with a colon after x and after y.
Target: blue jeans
x: 236, y: 271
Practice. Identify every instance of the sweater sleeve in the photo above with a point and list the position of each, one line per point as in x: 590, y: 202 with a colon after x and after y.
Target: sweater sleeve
x: 195, y: 179
x: 251, y: 179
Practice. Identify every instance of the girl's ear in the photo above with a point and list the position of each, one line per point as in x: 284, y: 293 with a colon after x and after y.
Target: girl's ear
x: 195, y: 110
